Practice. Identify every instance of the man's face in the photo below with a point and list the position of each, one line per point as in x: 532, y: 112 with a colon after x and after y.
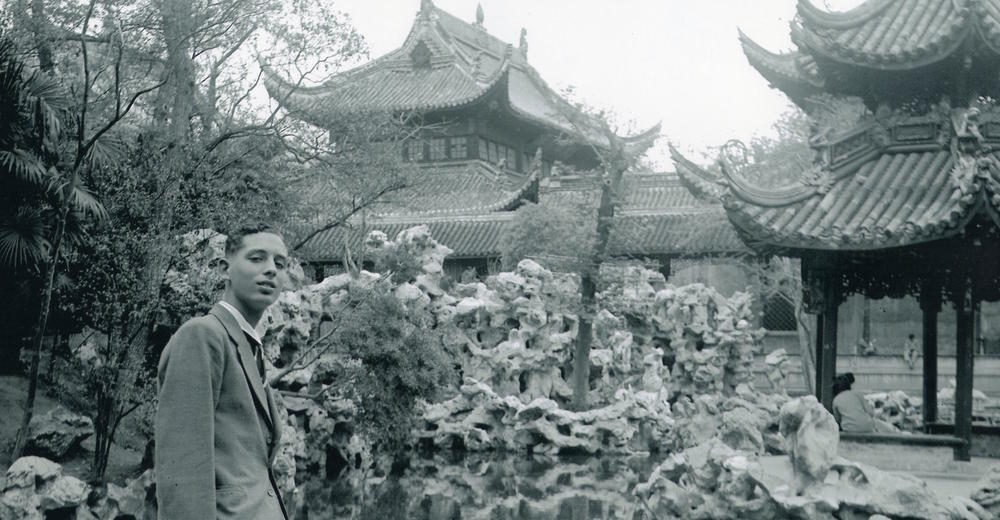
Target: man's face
x: 256, y: 272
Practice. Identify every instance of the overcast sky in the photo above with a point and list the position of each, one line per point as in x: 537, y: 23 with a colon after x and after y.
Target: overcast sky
x: 675, y: 61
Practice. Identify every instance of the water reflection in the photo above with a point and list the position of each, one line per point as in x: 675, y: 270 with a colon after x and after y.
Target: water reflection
x: 490, y: 488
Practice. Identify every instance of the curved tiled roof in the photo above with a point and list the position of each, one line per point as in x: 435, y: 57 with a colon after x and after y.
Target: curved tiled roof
x: 466, y: 64
x: 895, y: 34
x: 794, y: 73
x: 656, y: 216
x: 467, y: 236
x: 891, y: 52
x: 453, y: 188
x: 891, y: 183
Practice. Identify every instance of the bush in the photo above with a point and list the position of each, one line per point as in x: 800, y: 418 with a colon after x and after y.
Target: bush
x: 400, y: 363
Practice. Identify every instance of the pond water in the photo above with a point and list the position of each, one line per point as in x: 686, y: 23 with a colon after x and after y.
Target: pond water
x: 491, y: 488
x: 509, y: 487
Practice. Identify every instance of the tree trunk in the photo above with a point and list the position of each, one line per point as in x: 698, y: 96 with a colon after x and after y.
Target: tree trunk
x: 588, y: 291
x: 177, y: 29
x: 40, y: 28
x: 43, y: 316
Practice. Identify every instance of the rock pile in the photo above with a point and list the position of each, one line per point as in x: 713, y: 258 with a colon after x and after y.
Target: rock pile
x: 35, y: 488
x: 715, y: 480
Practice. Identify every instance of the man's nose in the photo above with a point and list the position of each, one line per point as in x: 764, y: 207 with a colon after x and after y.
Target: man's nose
x: 270, y: 268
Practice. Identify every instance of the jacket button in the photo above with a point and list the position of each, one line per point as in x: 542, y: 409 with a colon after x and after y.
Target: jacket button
x: 270, y: 492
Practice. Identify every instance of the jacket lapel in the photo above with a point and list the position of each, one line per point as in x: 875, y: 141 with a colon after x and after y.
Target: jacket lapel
x: 246, y: 359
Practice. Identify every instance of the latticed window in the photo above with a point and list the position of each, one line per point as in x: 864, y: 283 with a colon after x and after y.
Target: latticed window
x: 438, y: 149
x: 511, y: 158
x: 415, y: 150
x: 483, y: 147
x: 458, y: 148
x: 779, y: 313
x: 493, y: 156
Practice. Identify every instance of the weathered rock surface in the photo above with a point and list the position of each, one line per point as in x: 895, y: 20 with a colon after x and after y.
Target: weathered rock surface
x: 715, y: 481
x: 57, y: 433
x: 811, y: 439
x: 987, y: 493
x: 35, y: 486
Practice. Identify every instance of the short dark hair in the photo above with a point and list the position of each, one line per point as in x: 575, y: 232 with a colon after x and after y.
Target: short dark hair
x: 234, y: 241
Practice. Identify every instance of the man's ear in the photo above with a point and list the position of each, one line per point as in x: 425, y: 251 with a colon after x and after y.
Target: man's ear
x: 222, y: 267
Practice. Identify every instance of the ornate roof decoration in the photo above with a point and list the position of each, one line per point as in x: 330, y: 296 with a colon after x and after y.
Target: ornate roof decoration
x: 878, y: 50
x: 794, y: 73
x: 698, y: 181
x: 466, y: 65
x: 896, y: 180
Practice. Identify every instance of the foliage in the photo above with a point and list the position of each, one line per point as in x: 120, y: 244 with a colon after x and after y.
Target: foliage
x: 548, y: 231
x: 775, y: 161
x: 401, y: 363
x: 160, y: 124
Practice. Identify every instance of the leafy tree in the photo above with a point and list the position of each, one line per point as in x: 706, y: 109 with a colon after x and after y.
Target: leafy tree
x: 586, y: 228
x: 162, y: 125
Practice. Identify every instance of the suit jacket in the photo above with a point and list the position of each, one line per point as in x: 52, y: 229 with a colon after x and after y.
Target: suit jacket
x: 216, y: 427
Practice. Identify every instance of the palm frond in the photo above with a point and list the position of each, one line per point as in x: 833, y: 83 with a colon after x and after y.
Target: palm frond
x: 22, y: 238
x: 23, y: 164
x: 84, y: 200
x: 107, y: 151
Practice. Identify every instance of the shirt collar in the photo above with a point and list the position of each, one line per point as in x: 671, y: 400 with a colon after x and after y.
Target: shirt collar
x: 242, y: 322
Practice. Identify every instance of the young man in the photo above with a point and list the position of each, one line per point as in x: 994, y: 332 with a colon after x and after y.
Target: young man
x: 216, y: 423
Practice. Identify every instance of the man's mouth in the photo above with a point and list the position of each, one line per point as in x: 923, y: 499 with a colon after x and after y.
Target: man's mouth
x: 267, y: 285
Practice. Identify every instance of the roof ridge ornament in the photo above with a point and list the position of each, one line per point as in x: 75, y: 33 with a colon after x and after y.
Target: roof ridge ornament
x: 426, y: 8
x: 480, y: 15
x: 523, y: 43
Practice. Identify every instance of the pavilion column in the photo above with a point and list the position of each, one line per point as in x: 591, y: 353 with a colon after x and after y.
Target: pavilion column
x: 965, y: 345
x: 821, y: 296
x: 930, y: 304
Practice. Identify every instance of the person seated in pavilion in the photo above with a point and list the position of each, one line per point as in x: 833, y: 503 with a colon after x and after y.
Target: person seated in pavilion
x: 852, y: 411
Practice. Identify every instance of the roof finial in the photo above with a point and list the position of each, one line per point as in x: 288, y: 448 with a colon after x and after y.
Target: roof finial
x: 523, y: 44
x: 426, y: 6
x: 480, y: 16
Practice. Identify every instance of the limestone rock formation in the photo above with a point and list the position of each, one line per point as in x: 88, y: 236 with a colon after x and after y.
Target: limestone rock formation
x: 57, y: 433
x: 35, y: 487
x: 811, y: 439
x: 987, y: 493
x: 714, y: 480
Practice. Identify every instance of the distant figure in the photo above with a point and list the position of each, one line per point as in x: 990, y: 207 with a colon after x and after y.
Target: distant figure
x: 851, y: 409
x: 867, y: 348
x: 852, y: 412
x: 910, y: 351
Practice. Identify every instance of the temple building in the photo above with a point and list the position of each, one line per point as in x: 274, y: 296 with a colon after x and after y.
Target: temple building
x: 905, y: 202
x: 495, y: 137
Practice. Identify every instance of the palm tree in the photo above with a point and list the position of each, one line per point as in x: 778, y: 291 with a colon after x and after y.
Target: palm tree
x: 39, y: 203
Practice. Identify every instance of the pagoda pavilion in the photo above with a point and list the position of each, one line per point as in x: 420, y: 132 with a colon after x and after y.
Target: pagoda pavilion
x: 496, y: 133
x: 904, y: 203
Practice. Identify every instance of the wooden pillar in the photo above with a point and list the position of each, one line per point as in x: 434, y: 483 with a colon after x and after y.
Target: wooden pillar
x: 930, y: 304
x: 821, y: 296
x: 965, y: 343
x: 826, y: 358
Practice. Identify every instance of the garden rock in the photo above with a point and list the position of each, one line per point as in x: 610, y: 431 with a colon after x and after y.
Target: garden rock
x: 57, y: 433
x: 35, y: 486
x: 136, y: 499
x: 811, y: 438
x: 987, y: 493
